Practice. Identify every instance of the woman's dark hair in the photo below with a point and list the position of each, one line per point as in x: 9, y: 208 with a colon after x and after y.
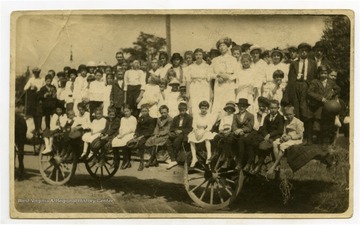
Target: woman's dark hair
x: 278, y: 73
x: 204, y: 104
x: 164, y: 54
x: 99, y: 71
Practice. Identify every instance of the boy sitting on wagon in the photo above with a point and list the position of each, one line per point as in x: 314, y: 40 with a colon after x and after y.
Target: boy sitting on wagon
x: 292, y: 135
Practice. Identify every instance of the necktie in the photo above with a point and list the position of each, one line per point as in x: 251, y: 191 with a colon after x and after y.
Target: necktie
x: 72, y: 87
x: 58, y: 122
x: 303, y: 71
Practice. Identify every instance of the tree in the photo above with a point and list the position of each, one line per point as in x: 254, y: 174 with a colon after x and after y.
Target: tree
x: 146, y: 46
x: 336, y: 36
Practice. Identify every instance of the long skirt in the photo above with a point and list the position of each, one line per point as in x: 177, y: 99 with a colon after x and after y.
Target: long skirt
x: 120, y: 142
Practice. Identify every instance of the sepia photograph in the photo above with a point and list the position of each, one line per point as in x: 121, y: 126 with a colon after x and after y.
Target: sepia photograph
x: 181, y: 114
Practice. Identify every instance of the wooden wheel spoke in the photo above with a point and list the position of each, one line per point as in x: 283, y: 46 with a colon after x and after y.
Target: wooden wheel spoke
x: 106, y: 162
x: 198, y: 170
x: 229, y: 180
x: 57, y: 175
x: 107, y: 170
x: 51, y: 165
x: 227, y: 172
x: 96, y: 170
x: 204, y: 192
x: 212, y: 194
x: 62, y: 172
x: 219, y: 192
x: 102, y: 171
x: 226, y: 188
x: 52, y: 172
x: 194, y: 178
x: 192, y: 190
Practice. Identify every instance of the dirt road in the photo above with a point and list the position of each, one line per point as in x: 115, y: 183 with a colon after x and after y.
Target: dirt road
x: 157, y: 190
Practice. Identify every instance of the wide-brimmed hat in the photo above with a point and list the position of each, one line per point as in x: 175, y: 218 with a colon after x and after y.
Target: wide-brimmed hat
x: 321, y: 45
x: 277, y: 49
x: 91, y: 64
x: 255, y: 47
x: 174, y: 81
x: 82, y: 67
x: 230, y: 104
x: 304, y: 45
x: 102, y: 63
x: 176, y: 56
x: 246, y: 46
x: 243, y: 101
x: 36, y: 69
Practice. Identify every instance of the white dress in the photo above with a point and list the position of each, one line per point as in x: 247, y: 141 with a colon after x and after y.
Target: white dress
x: 198, y: 77
x: 272, y: 68
x: 224, y: 92
x: 82, y: 120
x: 202, y: 125
x: 96, y: 127
x: 268, y: 91
x: 151, y: 96
x: 127, y: 125
x: 259, y: 70
x: 245, y: 83
x: 171, y: 101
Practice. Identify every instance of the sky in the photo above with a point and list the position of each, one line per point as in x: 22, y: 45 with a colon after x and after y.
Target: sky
x: 46, y: 40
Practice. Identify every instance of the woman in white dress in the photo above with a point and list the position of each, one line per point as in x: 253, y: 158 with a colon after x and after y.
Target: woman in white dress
x: 127, y: 129
x: 224, y: 69
x: 198, y: 81
x: 202, y: 125
x: 106, y: 96
x: 276, y: 57
x: 245, y: 82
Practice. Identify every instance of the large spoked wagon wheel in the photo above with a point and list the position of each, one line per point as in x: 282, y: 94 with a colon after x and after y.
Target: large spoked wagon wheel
x: 106, y: 164
x: 57, y: 168
x: 212, y: 186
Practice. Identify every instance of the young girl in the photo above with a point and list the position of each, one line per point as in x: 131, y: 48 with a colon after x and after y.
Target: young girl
x: 276, y: 64
x: 203, y: 122
x: 58, y: 121
x: 245, y: 82
x: 176, y: 61
x: 164, y: 66
x: 126, y: 133
x: 96, y: 92
x: 96, y: 127
x: 69, y: 90
x: 171, y: 95
x: 47, y: 95
x: 198, y: 78
x: 83, y: 119
x: 275, y: 89
x: 151, y: 96
x: 106, y: 95
x: 80, y: 85
x: 134, y: 84
x: 236, y: 52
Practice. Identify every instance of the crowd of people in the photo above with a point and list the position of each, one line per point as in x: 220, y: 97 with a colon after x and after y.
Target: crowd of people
x: 246, y: 98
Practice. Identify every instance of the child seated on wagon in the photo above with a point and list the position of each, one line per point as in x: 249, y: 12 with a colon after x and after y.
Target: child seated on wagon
x: 96, y: 127
x: 57, y: 122
x: 292, y: 135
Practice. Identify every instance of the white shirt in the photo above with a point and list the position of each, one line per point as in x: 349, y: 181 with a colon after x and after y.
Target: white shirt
x: 163, y: 70
x: 37, y: 82
x: 225, y: 64
x: 96, y: 91
x: 97, y: 125
x: 301, y: 64
x: 272, y: 68
x: 83, y: 121
x: 259, y: 68
x: 226, y: 122
x: 133, y: 78
x: 80, y: 86
x: 57, y: 122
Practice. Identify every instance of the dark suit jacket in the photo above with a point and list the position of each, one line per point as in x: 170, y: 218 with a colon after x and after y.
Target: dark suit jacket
x: 317, y: 91
x: 117, y: 95
x: 111, y: 127
x: 186, y: 126
x: 145, y: 126
x: 275, y: 128
x: 246, y: 125
x: 294, y: 70
x: 20, y: 129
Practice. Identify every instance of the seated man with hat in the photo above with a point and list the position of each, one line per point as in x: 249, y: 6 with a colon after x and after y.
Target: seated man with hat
x: 242, y: 125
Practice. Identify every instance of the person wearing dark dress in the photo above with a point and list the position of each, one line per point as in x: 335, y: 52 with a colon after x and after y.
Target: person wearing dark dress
x: 20, y: 136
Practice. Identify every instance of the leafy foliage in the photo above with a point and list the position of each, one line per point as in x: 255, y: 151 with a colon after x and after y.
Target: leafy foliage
x: 146, y: 45
x: 337, y: 38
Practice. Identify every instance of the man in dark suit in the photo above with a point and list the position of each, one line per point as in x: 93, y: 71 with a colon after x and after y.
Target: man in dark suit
x: 180, y: 128
x: 320, y: 52
x: 117, y: 94
x: 301, y: 73
x: 243, y: 124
